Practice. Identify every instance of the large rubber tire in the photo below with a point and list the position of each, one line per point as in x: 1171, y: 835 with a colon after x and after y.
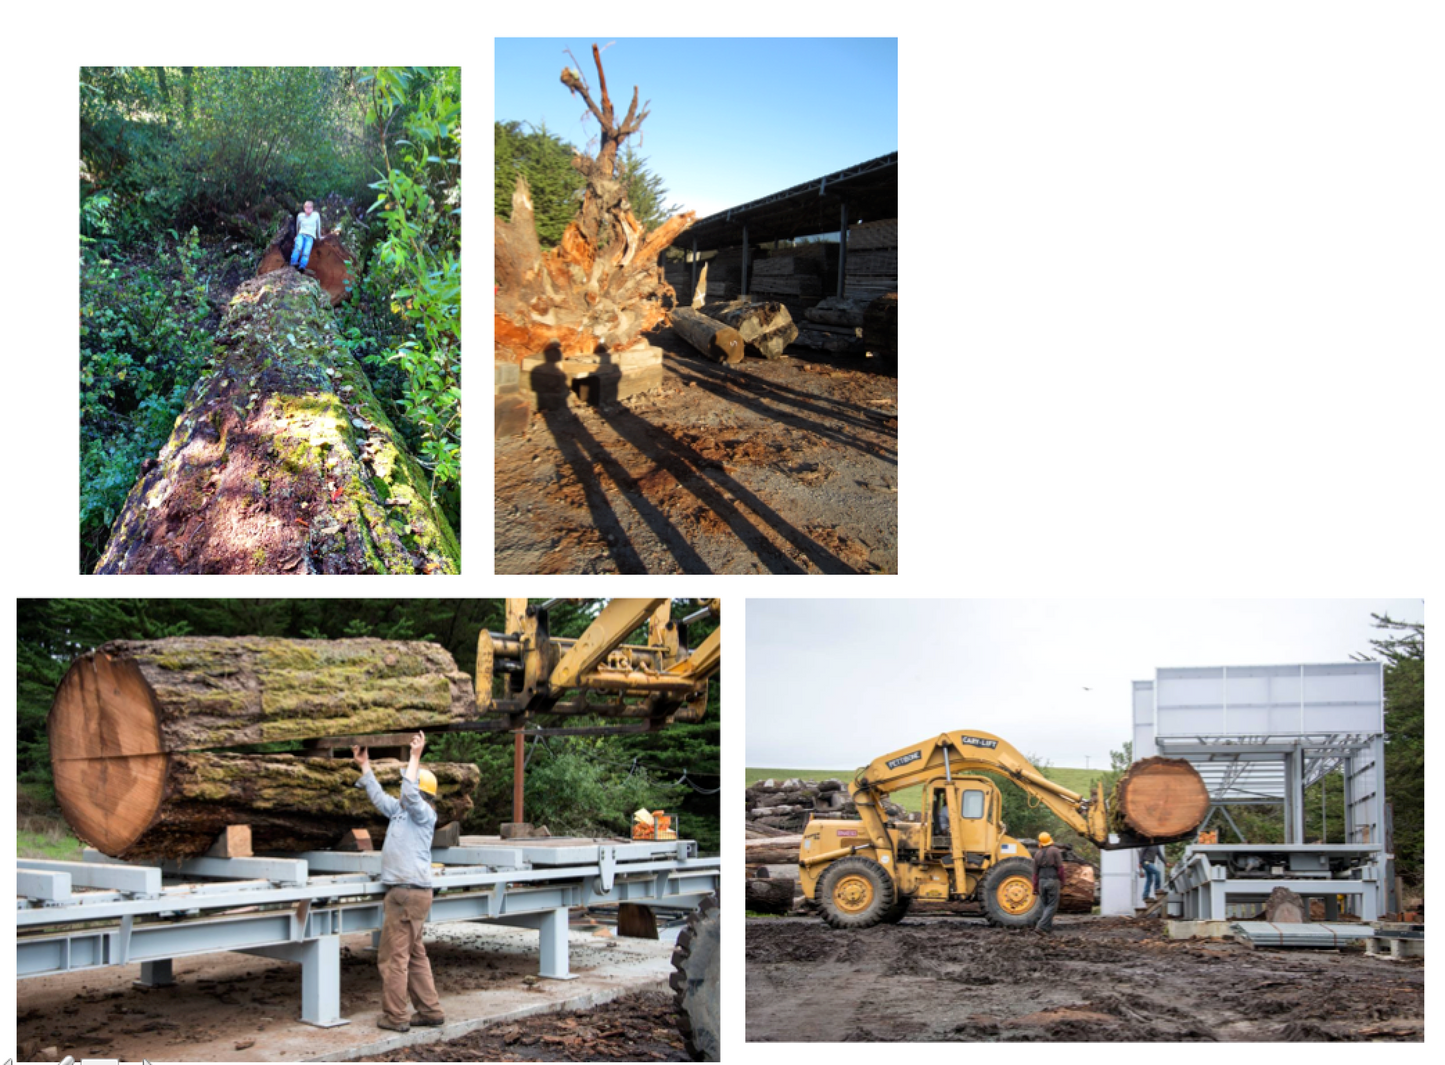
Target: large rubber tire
x: 898, y: 910
x: 855, y: 893
x: 694, y: 981
x: 1007, y: 894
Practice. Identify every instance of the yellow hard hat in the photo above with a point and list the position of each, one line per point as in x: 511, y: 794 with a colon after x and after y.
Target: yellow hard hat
x: 1045, y: 839
x: 427, y: 782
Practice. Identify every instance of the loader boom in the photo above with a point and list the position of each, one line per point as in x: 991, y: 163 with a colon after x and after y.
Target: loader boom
x: 966, y: 751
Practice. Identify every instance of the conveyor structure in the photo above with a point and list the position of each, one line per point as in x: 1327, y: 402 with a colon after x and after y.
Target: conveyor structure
x: 100, y: 912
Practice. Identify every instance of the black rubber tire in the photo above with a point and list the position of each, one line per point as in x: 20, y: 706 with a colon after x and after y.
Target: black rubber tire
x: 988, y: 894
x: 694, y: 981
x: 898, y: 910
x: 881, y: 883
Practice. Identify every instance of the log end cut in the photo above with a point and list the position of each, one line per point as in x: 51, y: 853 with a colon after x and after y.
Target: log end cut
x: 1161, y: 798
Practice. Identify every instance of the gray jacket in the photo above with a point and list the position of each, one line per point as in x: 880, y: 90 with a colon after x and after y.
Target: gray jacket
x: 406, y: 855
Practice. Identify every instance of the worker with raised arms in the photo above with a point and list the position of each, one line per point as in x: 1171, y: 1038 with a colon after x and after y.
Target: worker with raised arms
x: 406, y: 875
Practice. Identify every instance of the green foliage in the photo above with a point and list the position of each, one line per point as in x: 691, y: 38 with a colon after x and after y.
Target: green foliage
x: 145, y: 336
x: 1403, y: 651
x: 646, y: 190
x: 419, y: 198
x: 545, y: 160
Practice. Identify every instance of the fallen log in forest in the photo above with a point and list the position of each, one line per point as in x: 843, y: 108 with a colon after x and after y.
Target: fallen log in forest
x: 174, y: 806
x: 130, y: 720
x: 766, y: 327
x: 283, y: 460
x: 709, y: 336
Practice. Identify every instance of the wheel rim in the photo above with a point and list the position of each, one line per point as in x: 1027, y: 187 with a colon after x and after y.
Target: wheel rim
x: 1016, y: 895
x: 853, y: 894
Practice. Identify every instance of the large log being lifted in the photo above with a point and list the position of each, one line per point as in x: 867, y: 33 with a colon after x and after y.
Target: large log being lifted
x: 1159, y: 799
x: 766, y: 327
x: 283, y: 460
x: 717, y: 341
x: 130, y: 720
x: 167, y: 807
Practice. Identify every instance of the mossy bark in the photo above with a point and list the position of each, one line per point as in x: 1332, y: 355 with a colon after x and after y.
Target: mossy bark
x: 290, y: 803
x: 226, y: 691
x: 283, y: 460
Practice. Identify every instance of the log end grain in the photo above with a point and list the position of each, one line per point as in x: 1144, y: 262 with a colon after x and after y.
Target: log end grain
x: 1162, y: 798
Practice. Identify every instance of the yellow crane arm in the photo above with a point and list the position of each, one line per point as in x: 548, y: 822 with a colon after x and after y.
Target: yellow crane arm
x: 966, y: 751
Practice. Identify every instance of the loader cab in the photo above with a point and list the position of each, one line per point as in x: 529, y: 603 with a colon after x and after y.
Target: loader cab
x: 962, y: 819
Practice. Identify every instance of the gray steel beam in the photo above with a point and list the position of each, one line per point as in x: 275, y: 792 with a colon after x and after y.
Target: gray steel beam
x: 552, y: 925
x: 281, y: 870
x: 46, y: 886
x: 320, y: 961
x: 117, y: 877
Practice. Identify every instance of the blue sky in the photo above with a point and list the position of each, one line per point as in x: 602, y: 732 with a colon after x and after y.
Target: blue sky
x: 732, y: 119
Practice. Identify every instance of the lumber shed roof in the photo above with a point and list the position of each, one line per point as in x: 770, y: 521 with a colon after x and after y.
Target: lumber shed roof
x: 869, y: 189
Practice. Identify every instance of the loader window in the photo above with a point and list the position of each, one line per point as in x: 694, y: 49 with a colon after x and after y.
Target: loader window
x: 972, y: 804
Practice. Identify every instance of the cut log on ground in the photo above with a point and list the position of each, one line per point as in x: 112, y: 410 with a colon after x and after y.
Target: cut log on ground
x: 283, y: 460
x: 133, y: 698
x: 779, y: 850
x: 172, y: 806
x: 769, y: 896
x: 602, y: 284
x: 837, y: 310
x: 766, y: 328
x: 709, y: 336
x: 1285, y: 907
x: 1159, y: 799
x: 880, y: 327
x: 1077, y: 893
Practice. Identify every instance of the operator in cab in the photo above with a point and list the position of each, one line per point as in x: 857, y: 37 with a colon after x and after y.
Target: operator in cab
x: 1048, y: 879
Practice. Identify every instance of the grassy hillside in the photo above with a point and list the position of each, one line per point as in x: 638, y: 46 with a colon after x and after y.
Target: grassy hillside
x: 910, y: 798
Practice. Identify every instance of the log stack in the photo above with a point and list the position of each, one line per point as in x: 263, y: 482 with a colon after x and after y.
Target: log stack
x: 766, y: 327
x: 790, y: 804
x: 134, y: 728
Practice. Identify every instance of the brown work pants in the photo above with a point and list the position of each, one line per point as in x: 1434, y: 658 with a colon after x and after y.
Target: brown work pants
x: 405, y: 969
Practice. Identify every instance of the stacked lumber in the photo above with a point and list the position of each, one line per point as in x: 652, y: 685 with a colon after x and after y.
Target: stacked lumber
x: 790, y: 804
x: 805, y: 271
x: 872, y: 264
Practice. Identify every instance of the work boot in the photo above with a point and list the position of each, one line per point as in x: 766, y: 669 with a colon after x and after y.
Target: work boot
x: 393, y: 1026
x: 418, y: 1021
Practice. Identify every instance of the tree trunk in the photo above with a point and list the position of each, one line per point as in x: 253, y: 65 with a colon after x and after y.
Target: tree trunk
x: 601, y: 287
x: 780, y: 850
x: 709, y: 336
x: 766, y: 328
x: 329, y: 262
x: 769, y: 896
x: 1285, y: 907
x: 1077, y: 893
x: 283, y: 461
x: 174, y: 805
x: 190, y: 693
x: 1159, y: 799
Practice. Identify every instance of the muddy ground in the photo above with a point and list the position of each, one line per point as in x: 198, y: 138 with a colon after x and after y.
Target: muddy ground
x: 636, y: 1027
x: 788, y: 466
x: 1094, y: 980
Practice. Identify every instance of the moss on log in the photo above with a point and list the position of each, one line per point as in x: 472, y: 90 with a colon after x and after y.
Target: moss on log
x: 283, y: 460
x: 191, y: 693
x: 290, y: 803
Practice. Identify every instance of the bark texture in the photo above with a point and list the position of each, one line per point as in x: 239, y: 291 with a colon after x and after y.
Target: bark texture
x: 712, y: 338
x: 196, y: 692
x: 766, y: 327
x: 291, y: 803
x: 779, y: 850
x: 769, y: 896
x: 602, y: 286
x: 283, y: 460
x: 1077, y: 893
x: 1159, y: 798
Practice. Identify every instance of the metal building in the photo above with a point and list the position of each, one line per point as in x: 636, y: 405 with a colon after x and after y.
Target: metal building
x: 1260, y: 735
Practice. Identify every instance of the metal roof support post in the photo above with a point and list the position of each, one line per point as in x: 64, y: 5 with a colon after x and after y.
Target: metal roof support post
x: 745, y: 259
x: 1296, y: 831
x: 842, y: 246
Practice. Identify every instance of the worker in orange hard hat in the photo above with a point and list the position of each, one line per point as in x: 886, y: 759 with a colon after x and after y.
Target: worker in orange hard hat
x: 1048, y: 879
x: 406, y: 875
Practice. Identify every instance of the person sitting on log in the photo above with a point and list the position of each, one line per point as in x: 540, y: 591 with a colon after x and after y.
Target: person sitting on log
x: 1048, y: 879
x: 406, y: 875
x: 308, y: 231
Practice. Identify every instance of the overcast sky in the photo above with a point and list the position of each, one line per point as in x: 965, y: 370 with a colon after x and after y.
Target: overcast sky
x: 833, y: 683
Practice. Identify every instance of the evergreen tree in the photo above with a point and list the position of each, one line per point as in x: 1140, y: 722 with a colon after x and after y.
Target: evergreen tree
x: 646, y: 190
x: 546, y: 162
x: 1403, y: 652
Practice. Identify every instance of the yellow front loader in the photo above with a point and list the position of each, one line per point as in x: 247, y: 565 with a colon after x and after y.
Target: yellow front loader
x: 866, y: 871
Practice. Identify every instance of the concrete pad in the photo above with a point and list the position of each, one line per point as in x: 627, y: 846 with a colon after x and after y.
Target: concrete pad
x: 1199, y: 929
x: 236, y: 1007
